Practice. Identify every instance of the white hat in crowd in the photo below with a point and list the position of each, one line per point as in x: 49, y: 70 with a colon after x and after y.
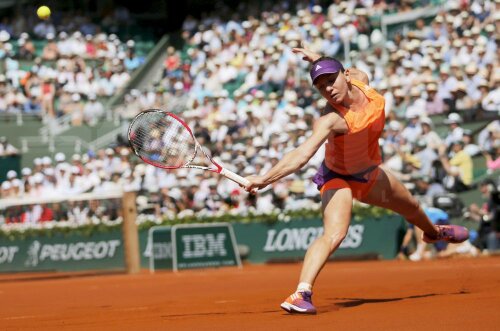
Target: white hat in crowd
x: 26, y: 171
x: 426, y: 120
x: 11, y: 174
x: 394, y: 125
x: 38, y: 178
x: 46, y: 160
x: 75, y: 97
x: 412, y: 113
x: 60, y: 157
x: 124, y: 152
x: 453, y: 118
x: 49, y: 172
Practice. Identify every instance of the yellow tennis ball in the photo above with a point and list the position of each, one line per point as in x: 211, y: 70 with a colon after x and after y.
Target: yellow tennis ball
x: 43, y: 12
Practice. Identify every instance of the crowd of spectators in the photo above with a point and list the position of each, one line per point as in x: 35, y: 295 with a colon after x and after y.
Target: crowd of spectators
x: 78, y: 63
x: 450, y: 67
x: 249, y: 101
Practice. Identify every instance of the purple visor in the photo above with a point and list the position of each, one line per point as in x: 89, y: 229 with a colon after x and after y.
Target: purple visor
x: 326, y: 66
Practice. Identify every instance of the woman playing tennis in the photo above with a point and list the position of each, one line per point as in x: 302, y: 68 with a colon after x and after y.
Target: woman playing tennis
x: 351, y: 124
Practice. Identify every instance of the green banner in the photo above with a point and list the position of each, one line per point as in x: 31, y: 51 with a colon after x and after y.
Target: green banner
x: 101, y: 251
x: 204, y: 245
x: 160, y: 248
x: 290, y: 240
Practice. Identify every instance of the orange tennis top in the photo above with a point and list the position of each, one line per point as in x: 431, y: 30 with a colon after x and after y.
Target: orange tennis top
x: 358, y: 149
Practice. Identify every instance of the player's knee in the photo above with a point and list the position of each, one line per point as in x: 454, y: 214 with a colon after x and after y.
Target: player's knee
x: 334, y: 239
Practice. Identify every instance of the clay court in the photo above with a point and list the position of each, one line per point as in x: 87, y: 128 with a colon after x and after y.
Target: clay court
x: 454, y: 294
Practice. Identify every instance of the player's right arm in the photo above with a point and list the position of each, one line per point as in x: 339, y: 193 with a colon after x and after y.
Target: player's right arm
x: 296, y: 159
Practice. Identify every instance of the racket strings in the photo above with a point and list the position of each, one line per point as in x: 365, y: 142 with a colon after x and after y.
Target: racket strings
x: 161, y: 139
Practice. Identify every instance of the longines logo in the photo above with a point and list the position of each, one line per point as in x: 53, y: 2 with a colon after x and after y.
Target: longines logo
x: 300, y: 239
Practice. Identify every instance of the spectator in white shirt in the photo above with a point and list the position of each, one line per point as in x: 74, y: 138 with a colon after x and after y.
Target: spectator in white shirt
x: 417, y: 103
x: 472, y: 81
x: 446, y: 86
x: 93, y: 110
x: 63, y: 44
x: 6, y: 148
x: 15, y: 101
x: 275, y: 74
x: 456, y: 132
x: 410, y: 75
x: 6, y: 190
x: 43, y: 28
x: 463, y: 103
x: 225, y: 72
x: 434, y: 104
x: 412, y: 131
x: 111, y: 163
x: 491, y: 103
x: 426, y: 156
x: 487, y: 137
x: 119, y: 79
x: 431, y: 138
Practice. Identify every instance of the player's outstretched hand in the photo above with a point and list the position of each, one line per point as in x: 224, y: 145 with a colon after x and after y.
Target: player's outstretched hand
x: 256, y: 183
x: 307, y: 54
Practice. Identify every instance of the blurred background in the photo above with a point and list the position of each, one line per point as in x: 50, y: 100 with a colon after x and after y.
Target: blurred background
x: 71, y: 83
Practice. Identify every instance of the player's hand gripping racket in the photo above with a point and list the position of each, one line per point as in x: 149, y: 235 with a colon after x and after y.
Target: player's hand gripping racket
x: 164, y: 140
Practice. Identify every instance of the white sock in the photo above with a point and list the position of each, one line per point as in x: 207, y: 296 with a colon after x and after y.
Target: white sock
x: 302, y: 287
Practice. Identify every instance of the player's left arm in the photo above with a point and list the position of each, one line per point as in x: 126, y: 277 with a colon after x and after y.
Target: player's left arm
x: 310, y: 56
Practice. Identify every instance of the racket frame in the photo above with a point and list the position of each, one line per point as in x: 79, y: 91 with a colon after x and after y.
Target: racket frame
x: 218, y: 168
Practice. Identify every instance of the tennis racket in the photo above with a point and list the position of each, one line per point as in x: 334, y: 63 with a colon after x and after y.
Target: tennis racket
x: 164, y: 140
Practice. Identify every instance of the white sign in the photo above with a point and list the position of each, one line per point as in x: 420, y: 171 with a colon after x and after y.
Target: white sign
x: 161, y: 250
x: 89, y: 250
x: 7, y: 253
x: 203, y: 245
x: 300, y: 239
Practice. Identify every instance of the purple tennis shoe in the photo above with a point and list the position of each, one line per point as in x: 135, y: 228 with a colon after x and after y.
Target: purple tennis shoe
x: 299, y: 302
x: 454, y: 234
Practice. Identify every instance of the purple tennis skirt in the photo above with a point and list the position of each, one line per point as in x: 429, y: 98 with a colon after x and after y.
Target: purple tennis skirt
x: 325, y: 174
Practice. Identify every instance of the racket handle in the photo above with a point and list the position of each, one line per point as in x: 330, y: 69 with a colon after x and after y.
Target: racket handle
x: 234, y: 177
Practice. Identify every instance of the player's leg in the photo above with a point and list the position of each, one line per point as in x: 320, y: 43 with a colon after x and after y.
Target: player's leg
x: 388, y: 192
x: 336, y: 205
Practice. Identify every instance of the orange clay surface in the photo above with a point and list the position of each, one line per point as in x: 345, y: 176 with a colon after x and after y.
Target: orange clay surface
x: 453, y: 294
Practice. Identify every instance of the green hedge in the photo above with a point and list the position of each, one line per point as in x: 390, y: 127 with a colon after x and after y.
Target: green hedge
x: 49, y: 229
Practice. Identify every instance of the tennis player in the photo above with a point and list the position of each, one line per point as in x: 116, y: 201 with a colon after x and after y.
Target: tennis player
x: 351, y: 124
